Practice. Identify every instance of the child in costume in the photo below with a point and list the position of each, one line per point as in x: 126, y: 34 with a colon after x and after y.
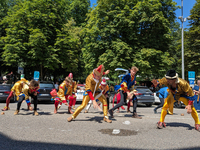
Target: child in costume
x: 65, y: 90
x: 16, y: 90
x: 179, y: 89
x: 74, y: 90
x: 91, y: 86
x: 28, y: 90
x: 104, y: 89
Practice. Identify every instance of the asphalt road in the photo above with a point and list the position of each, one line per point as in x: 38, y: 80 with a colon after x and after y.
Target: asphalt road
x: 52, y: 131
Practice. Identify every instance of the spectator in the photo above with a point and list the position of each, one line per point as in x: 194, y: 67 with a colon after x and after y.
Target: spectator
x: 56, y: 86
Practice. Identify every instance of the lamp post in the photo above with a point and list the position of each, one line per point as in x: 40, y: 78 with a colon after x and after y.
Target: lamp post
x: 182, y: 20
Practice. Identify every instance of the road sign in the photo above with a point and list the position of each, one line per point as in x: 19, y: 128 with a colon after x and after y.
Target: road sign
x: 191, y: 75
x: 22, y: 76
x: 36, y: 75
x: 20, y: 70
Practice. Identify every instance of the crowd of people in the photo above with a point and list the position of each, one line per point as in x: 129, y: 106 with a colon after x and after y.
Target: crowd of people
x: 171, y: 88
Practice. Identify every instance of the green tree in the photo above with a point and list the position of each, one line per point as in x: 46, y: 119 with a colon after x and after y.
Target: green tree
x: 4, y: 6
x: 35, y: 32
x: 192, y: 54
x: 78, y: 11
x: 117, y: 32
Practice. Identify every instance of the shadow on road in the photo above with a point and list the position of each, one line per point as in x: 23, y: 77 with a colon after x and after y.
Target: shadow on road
x: 6, y: 143
x: 176, y: 124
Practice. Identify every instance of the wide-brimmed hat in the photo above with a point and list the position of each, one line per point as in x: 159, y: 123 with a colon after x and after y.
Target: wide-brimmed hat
x: 171, y: 74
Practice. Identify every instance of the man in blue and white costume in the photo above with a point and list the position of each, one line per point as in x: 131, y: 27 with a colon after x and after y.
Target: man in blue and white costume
x: 162, y: 94
x: 196, y: 90
x: 125, y: 89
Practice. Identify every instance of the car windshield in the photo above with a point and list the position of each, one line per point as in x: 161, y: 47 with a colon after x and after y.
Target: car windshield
x: 143, y: 90
x: 46, y: 85
x: 4, y: 87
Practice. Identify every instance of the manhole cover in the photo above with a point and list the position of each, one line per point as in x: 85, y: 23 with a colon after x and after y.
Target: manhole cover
x: 118, y: 132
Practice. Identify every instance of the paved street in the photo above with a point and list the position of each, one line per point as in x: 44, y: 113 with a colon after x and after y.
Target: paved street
x: 89, y: 131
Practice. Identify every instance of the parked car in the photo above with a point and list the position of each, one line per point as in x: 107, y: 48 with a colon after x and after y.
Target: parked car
x: 45, y: 89
x: 145, y: 95
x: 5, y: 90
x: 111, y: 96
x: 80, y: 92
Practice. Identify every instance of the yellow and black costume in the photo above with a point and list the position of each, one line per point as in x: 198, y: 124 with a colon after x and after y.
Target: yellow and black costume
x: 183, y: 92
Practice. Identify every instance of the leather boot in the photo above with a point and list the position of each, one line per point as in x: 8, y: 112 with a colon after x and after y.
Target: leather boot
x: 128, y: 111
x: 36, y: 113
x: 107, y: 120
x: 70, y: 110
x: 136, y: 116
x: 69, y: 119
x: 16, y: 112
x: 111, y: 113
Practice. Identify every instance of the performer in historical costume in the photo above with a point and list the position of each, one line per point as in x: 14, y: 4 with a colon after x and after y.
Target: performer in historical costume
x: 196, y: 90
x: 124, y: 89
x: 74, y: 90
x: 130, y: 102
x: 91, y: 86
x: 117, y: 98
x: 16, y: 90
x: 179, y: 89
x: 104, y: 89
x: 65, y: 90
x: 162, y: 94
x: 29, y: 90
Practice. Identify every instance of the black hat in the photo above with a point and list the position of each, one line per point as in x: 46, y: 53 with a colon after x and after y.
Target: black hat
x: 171, y: 74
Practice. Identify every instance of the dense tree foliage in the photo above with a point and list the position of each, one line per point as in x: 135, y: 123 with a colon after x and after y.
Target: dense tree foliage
x: 123, y: 33
x: 56, y: 37
x: 192, y: 55
x: 38, y: 32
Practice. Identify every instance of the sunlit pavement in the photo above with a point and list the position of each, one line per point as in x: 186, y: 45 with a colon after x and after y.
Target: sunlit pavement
x: 89, y: 131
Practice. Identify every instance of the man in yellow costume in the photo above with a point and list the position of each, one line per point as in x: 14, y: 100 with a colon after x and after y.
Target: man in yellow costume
x: 91, y: 86
x: 180, y: 90
x: 103, y: 91
x: 29, y: 90
x: 16, y: 90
